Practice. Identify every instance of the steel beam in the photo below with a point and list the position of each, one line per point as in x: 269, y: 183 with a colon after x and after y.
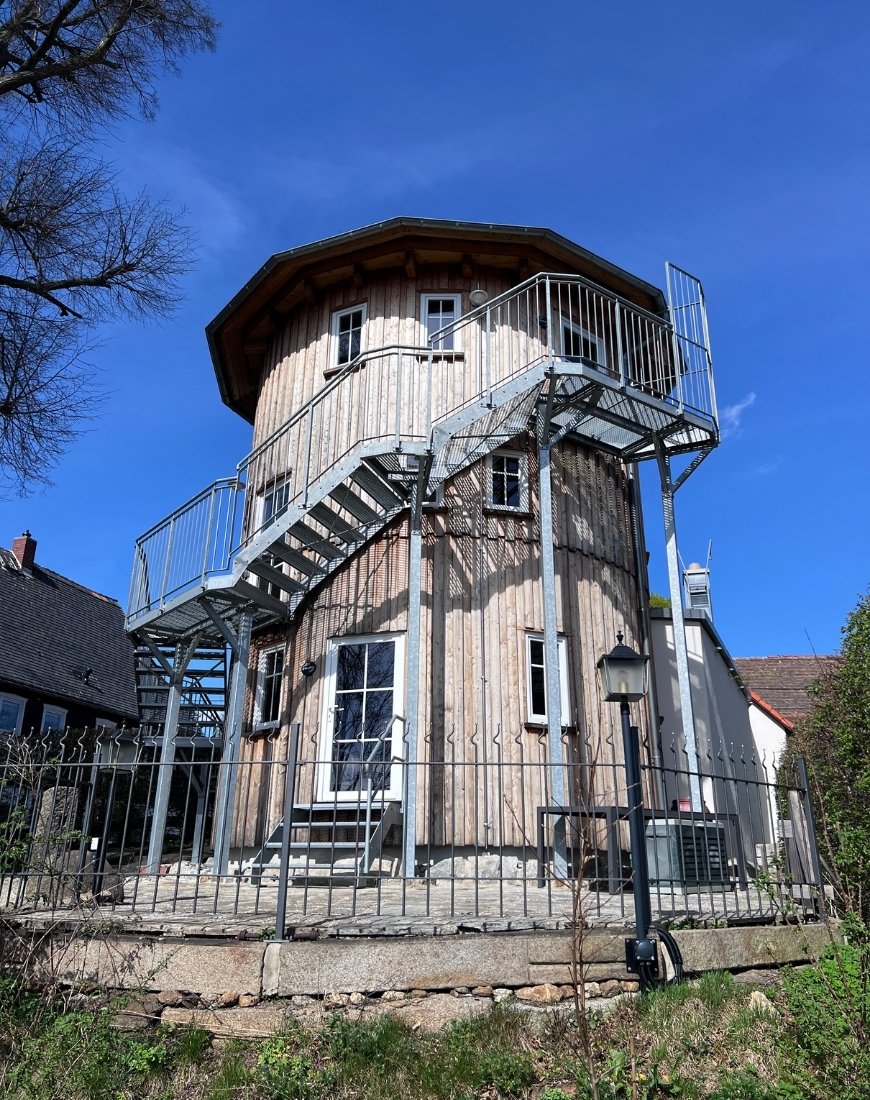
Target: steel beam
x: 681, y: 652
x: 551, y: 638
x: 412, y: 666
x: 232, y: 739
x: 167, y: 755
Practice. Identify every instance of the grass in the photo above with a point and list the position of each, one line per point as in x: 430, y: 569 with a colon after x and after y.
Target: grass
x: 703, y: 1040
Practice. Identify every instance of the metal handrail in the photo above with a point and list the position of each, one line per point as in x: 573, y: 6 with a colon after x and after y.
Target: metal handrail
x: 390, y: 397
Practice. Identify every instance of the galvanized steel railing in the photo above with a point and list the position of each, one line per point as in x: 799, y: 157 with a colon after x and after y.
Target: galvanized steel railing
x: 192, y: 544
x: 390, y: 398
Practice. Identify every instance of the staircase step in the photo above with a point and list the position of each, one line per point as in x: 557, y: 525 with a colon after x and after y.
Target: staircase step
x: 274, y: 576
x: 333, y: 523
x: 377, y: 488
x: 320, y: 845
x: 348, y: 500
x: 315, y: 541
x: 294, y: 559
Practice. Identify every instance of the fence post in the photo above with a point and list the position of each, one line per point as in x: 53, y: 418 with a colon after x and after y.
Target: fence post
x: 815, y: 864
x: 283, y: 867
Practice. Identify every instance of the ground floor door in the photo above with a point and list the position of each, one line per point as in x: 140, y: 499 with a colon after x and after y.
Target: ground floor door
x: 362, y: 725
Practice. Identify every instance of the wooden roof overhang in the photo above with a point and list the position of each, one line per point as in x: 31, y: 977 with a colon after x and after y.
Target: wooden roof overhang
x: 239, y: 336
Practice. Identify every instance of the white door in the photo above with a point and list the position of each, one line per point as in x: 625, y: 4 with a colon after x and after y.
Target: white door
x: 362, y: 727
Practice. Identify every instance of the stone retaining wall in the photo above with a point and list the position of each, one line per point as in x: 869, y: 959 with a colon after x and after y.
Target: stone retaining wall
x: 209, y: 968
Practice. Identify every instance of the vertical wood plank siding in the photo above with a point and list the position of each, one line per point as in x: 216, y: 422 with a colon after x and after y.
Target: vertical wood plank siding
x: 481, y: 596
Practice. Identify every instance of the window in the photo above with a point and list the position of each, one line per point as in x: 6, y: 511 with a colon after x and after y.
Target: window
x: 11, y: 713
x: 267, y: 699
x: 437, y: 311
x: 347, y: 326
x: 508, y: 481
x: 273, y: 502
x: 362, y: 694
x: 580, y: 343
x: 53, y: 718
x: 536, y: 679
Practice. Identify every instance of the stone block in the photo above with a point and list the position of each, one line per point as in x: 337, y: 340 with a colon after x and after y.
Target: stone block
x: 248, y: 1023
x: 762, y: 945
x: 142, y: 963
x: 379, y: 964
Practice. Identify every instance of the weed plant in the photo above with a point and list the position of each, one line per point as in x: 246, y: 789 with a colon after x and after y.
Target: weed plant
x: 703, y: 1040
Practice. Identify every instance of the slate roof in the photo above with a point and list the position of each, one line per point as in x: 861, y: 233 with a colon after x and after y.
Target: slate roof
x: 782, y: 682
x: 53, y: 630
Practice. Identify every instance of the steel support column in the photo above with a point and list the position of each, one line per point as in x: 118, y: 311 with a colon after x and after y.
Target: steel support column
x: 232, y: 739
x: 412, y: 671
x: 167, y: 759
x: 681, y: 652
x: 551, y: 641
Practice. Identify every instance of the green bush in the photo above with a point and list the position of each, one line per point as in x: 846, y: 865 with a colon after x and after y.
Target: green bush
x: 829, y: 1007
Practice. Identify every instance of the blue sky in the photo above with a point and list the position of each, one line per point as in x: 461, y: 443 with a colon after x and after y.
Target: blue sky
x: 732, y: 139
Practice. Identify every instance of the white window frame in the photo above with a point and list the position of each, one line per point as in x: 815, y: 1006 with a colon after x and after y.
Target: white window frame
x: 6, y: 696
x: 49, y: 709
x: 425, y: 299
x: 360, y: 307
x: 523, y: 459
x: 324, y: 779
x: 259, y: 689
x: 585, y: 334
x: 532, y: 716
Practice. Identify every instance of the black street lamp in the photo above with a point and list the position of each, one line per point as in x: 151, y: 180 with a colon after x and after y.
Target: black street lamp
x: 624, y: 680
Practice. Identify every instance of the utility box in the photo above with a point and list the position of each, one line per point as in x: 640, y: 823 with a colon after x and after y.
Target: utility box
x: 686, y: 852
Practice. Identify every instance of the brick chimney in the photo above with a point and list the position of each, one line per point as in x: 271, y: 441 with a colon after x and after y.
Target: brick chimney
x: 24, y: 548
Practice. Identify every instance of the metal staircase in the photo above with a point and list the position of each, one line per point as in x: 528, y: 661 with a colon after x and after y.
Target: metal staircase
x: 400, y: 419
x: 330, y: 843
x: 202, y: 710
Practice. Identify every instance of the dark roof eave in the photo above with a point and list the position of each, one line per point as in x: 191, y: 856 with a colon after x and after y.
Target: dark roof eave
x: 315, y: 248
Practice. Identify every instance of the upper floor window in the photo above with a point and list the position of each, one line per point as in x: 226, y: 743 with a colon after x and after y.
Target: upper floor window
x: 439, y: 310
x: 347, y: 326
x: 580, y: 343
x: 11, y: 713
x: 267, y: 697
x: 536, y: 679
x: 508, y: 481
x: 53, y: 719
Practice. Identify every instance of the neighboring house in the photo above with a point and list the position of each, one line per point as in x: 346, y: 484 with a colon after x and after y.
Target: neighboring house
x: 781, y: 684
x: 437, y: 532
x: 65, y: 660
x: 728, y: 758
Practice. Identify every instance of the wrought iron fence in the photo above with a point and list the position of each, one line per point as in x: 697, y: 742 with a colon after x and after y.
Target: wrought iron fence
x: 312, y: 843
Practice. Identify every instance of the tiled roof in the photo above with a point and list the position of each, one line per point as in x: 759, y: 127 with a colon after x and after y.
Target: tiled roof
x: 52, y: 631
x: 782, y: 682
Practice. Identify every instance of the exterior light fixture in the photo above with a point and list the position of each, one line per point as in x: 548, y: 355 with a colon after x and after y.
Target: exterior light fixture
x: 623, y: 674
x: 478, y: 296
x: 308, y: 669
x: 623, y: 680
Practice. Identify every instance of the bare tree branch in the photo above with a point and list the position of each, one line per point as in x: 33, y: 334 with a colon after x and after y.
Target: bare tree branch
x: 74, y: 250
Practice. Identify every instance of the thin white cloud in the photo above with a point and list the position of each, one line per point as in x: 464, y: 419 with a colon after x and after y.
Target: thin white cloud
x: 218, y: 217
x: 385, y: 172
x: 730, y: 416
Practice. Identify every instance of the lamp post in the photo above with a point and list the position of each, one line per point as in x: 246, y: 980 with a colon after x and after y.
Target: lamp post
x: 624, y: 680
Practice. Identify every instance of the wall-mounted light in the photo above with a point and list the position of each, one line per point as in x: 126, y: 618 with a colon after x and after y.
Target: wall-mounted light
x: 478, y: 296
x: 308, y: 669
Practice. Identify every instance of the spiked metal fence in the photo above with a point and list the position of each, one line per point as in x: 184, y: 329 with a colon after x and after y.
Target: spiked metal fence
x: 76, y: 812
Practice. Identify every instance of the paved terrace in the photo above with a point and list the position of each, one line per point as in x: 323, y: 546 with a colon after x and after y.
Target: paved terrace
x: 202, y: 905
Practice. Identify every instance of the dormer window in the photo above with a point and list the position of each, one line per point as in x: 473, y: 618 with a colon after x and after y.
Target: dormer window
x: 347, y: 326
x: 437, y: 311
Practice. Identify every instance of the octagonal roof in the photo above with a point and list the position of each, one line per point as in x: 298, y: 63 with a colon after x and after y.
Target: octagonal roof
x: 239, y: 336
